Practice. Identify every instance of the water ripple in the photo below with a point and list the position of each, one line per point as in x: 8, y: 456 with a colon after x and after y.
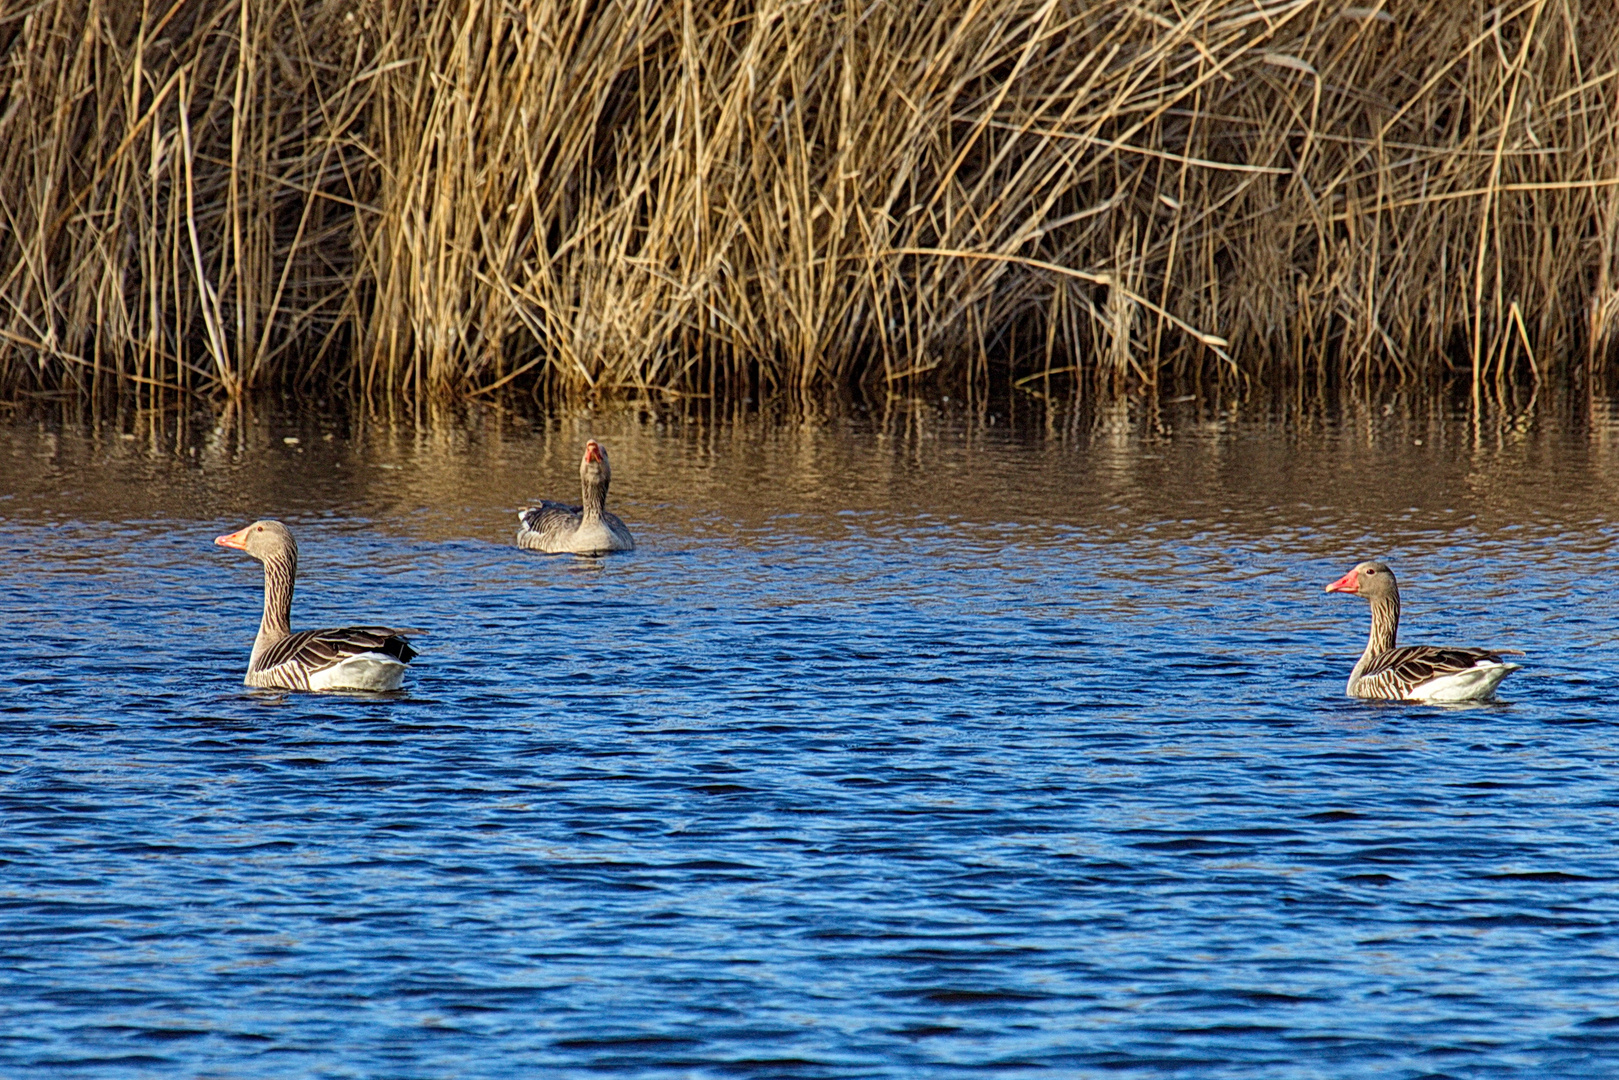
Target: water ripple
x: 960, y: 755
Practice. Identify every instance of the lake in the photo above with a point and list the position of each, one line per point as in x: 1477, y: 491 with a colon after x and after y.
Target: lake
x: 916, y: 740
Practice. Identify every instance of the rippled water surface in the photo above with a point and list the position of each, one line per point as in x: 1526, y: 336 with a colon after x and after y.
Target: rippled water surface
x: 908, y: 744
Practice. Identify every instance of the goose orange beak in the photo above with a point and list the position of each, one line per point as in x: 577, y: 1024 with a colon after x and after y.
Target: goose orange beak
x: 237, y: 539
x: 593, y: 451
x: 1348, y: 583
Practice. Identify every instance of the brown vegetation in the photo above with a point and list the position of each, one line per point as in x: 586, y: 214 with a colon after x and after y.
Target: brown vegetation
x: 611, y: 195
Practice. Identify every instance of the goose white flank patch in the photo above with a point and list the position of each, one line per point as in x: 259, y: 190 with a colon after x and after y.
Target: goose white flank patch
x: 587, y: 529
x: 350, y: 658
x: 1390, y: 672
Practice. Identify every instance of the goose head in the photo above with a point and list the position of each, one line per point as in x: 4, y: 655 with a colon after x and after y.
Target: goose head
x: 593, y: 467
x: 1372, y: 580
x: 264, y: 540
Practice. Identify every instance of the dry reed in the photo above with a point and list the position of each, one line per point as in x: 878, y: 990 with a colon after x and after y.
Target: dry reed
x: 599, y: 196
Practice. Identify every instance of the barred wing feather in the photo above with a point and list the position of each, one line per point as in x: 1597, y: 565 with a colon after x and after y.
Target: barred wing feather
x: 548, y: 520
x: 1398, y: 672
x: 295, y: 658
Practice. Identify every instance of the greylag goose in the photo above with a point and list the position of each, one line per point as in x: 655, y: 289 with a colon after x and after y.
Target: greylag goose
x: 582, y: 530
x: 1387, y: 672
x: 352, y: 658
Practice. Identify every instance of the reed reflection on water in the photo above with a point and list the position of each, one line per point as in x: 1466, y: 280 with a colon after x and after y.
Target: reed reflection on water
x: 910, y: 740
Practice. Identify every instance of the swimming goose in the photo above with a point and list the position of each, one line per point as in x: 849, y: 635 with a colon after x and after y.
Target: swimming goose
x: 1387, y: 672
x: 352, y: 658
x: 583, y: 530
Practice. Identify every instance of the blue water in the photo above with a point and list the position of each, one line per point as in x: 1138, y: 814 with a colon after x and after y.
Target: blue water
x: 907, y: 745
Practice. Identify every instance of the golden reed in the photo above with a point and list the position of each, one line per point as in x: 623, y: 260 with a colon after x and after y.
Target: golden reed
x: 607, y: 196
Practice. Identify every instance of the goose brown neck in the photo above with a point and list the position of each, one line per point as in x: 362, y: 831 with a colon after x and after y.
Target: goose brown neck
x: 280, y: 571
x: 1385, y: 625
x: 593, y: 497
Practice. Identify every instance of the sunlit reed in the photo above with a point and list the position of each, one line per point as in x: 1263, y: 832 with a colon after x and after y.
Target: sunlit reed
x: 607, y: 196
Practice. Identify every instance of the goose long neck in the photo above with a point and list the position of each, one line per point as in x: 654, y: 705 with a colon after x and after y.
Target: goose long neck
x: 594, y: 497
x: 1385, y: 626
x: 280, y: 570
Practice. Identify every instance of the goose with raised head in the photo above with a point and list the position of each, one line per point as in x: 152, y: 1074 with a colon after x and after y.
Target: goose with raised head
x: 1390, y: 672
x: 350, y: 658
x: 587, y: 529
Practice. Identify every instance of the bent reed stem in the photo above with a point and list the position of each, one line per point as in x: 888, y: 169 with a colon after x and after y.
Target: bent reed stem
x: 615, y: 196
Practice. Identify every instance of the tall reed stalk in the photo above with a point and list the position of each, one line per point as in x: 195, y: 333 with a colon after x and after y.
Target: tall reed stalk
x: 596, y: 196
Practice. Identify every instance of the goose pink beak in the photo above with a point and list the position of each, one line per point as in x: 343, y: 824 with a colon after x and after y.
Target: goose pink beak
x: 237, y: 539
x: 1348, y: 583
x: 593, y: 451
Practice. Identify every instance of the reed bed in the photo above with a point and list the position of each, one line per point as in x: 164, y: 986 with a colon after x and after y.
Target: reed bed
x: 411, y: 197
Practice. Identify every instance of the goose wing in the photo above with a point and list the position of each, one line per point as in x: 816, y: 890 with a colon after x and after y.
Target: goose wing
x: 548, y: 516
x: 309, y: 651
x: 1401, y: 670
x: 550, y: 521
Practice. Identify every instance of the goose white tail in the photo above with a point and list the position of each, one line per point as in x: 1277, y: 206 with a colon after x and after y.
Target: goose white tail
x: 1475, y: 684
x: 365, y: 671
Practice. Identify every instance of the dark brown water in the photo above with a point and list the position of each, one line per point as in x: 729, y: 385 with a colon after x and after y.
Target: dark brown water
x: 914, y: 741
